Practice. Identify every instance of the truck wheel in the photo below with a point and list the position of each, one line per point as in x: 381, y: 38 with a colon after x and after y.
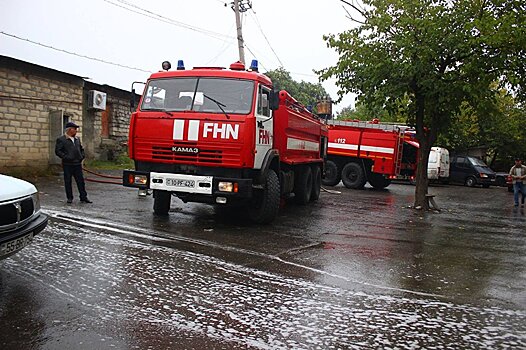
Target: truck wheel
x: 471, y: 181
x: 161, y: 202
x: 378, y: 181
x: 332, y: 174
x: 303, y: 185
x: 353, y: 176
x: 265, y: 203
x: 316, y: 183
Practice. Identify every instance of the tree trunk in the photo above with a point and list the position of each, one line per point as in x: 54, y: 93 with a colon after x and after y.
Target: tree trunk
x: 426, y: 136
x: 422, y: 181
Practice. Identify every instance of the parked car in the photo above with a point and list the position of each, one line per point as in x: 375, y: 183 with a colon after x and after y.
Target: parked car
x: 20, y: 215
x: 504, y: 180
x: 471, y: 171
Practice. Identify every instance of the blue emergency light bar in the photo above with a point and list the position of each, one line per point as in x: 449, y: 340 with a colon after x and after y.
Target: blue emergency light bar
x: 254, y: 66
x: 180, y: 65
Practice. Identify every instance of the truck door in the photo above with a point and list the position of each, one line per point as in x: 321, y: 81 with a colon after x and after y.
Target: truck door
x: 264, y: 126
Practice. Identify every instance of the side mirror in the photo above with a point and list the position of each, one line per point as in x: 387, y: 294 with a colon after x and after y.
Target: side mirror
x: 274, y: 100
x: 132, y: 99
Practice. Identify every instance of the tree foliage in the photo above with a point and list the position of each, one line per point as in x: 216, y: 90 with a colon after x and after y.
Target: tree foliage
x: 304, y: 92
x: 438, y: 55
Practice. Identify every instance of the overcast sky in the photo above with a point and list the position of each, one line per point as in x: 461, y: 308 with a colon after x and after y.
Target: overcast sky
x: 200, y: 32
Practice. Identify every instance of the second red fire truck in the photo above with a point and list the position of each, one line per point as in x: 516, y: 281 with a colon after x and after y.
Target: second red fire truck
x: 360, y: 152
x: 222, y: 136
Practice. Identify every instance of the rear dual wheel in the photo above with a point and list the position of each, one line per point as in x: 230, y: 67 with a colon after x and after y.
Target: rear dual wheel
x: 332, y: 174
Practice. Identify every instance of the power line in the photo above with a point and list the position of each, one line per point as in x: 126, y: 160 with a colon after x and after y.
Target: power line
x: 158, y: 17
x: 74, y: 53
x: 263, y: 33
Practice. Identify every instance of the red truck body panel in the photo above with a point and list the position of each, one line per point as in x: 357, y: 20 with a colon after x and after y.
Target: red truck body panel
x: 359, y: 140
x: 297, y: 132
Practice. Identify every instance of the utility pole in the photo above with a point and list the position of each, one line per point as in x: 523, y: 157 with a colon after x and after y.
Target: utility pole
x: 240, y: 6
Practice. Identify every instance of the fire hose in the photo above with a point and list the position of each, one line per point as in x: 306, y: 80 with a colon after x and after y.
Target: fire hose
x: 104, y: 176
x: 120, y: 182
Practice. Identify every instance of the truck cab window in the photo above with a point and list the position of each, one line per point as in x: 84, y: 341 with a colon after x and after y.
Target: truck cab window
x: 263, y: 101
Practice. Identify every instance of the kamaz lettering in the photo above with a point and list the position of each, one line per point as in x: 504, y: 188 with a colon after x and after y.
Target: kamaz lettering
x: 185, y: 149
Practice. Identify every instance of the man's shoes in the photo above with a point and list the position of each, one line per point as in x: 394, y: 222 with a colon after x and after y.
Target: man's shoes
x: 516, y: 204
x: 69, y: 201
x: 86, y: 200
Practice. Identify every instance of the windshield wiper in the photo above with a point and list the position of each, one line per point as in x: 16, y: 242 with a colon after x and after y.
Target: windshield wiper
x: 219, y: 104
x: 159, y: 110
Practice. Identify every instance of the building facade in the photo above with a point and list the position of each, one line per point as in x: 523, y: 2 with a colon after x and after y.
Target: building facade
x: 35, y: 104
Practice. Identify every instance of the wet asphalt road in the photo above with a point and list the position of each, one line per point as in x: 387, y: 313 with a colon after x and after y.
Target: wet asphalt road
x: 357, y: 269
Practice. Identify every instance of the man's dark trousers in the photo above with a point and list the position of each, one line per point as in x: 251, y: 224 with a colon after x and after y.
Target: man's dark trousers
x: 76, y: 172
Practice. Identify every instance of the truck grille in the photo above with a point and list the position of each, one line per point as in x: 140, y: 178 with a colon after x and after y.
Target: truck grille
x: 15, y: 213
x: 226, y: 155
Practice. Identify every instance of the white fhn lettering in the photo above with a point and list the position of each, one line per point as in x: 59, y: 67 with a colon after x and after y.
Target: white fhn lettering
x: 223, y: 131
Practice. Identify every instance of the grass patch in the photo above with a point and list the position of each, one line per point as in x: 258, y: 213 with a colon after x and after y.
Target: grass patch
x: 122, y: 162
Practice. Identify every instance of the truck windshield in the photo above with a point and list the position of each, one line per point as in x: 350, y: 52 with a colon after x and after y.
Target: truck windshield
x: 208, y: 95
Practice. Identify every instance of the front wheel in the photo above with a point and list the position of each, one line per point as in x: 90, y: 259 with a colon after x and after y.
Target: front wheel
x: 265, y: 203
x: 332, y: 174
x: 161, y: 202
x: 353, y: 176
x: 471, y: 181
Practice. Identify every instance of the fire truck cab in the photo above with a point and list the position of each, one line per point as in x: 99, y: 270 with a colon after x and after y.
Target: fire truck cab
x: 223, y: 136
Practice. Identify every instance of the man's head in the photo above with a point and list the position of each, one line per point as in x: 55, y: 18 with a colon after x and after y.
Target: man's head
x: 71, y: 129
x: 518, y: 161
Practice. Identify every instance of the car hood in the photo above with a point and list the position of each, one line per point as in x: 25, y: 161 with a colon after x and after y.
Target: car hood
x: 485, y: 170
x: 12, y: 188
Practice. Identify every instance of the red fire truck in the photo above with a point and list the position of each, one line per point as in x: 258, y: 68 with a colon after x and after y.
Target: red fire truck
x: 374, y: 152
x: 223, y: 136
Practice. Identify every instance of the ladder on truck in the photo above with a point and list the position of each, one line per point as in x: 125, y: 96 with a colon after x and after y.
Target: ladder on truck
x: 399, y: 152
x: 369, y: 125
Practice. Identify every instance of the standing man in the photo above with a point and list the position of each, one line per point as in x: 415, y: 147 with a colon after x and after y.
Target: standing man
x: 69, y: 149
x: 518, y: 175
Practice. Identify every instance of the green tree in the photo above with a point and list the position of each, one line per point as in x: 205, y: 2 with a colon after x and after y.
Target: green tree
x: 304, y: 92
x: 499, y: 127
x: 437, y: 54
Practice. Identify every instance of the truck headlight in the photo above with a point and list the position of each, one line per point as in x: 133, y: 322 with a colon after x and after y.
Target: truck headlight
x: 137, y: 179
x: 483, y: 175
x: 225, y: 186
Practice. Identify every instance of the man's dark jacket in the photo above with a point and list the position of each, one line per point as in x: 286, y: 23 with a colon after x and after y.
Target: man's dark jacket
x: 71, y: 154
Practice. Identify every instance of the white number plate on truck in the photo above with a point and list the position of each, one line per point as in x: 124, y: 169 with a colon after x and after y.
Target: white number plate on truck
x: 16, y: 244
x: 199, y: 184
x: 180, y: 183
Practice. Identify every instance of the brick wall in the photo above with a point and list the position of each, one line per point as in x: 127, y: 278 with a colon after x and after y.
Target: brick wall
x: 26, y: 101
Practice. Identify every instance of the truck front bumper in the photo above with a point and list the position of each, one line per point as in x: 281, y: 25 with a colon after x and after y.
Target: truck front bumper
x: 207, y: 187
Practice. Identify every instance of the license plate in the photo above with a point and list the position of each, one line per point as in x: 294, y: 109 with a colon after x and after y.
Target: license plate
x: 16, y: 244
x: 180, y: 183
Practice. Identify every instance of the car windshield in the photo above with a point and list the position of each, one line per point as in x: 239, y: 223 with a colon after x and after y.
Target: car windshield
x: 477, y: 162
x: 210, y: 95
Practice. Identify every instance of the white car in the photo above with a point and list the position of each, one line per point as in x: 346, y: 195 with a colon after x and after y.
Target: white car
x: 20, y: 215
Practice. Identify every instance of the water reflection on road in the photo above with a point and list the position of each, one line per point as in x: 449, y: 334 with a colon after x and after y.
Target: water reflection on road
x: 110, y: 286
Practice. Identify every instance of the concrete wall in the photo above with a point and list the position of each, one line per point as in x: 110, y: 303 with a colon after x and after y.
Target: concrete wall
x: 36, y: 102
x: 26, y: 103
